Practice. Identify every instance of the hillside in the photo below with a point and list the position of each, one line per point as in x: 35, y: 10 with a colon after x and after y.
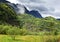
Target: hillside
x: 39, y: 24
x: 29, y: 26
x: 7, y: 14
x: 27, y: 22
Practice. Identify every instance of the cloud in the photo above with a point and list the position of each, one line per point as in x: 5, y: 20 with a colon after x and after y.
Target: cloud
x: 45, y: 7
x: 21, y: 9
x: 13, y: 1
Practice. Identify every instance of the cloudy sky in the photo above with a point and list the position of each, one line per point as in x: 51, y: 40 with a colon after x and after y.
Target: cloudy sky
x: 45, y: 7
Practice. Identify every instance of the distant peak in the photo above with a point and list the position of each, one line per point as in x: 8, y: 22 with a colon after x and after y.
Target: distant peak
x: 4, y: 1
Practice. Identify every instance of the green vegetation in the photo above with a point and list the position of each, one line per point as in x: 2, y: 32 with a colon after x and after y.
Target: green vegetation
x: 48, y: 25
x: 7, y: 15
x: 19, y: 26
x: 29, y: 38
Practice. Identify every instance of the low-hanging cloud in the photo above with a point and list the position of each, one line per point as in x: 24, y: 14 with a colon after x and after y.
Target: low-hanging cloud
x: 45, y: 7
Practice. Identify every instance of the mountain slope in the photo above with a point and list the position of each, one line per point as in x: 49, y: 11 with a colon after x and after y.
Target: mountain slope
x: 15, y: 7
x: 7, y: 14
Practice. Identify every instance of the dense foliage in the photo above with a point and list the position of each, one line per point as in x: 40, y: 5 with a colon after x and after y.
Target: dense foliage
x: 7, y: 14
x: 23, y: 24
x: 47, y: 24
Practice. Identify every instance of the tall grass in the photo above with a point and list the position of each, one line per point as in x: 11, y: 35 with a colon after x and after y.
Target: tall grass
x: 50, y: 38
x: 30, y: 38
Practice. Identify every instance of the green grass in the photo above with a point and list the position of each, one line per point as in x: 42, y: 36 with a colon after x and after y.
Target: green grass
x: 30, y: 38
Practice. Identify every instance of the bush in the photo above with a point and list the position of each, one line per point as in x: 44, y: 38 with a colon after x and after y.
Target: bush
x: 4, y: 28
x: 23, y: 32
x: 13, y: 32
x: 16, y: 31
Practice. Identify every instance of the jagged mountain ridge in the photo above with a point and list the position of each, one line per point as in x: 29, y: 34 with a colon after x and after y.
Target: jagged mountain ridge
x: 34, y: 13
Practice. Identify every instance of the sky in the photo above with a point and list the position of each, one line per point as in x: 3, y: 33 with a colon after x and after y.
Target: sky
x: 45, y: 7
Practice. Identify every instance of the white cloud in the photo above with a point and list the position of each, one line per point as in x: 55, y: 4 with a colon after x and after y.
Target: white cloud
x: 45, y: 7
x: 21, y: 9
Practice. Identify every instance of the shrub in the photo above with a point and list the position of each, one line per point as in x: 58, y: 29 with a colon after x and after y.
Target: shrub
x: 23, y: 32
x: 13, y: 32
x: 3, y: 29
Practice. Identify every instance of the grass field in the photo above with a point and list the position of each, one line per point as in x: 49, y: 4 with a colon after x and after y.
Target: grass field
x: 30, y: 38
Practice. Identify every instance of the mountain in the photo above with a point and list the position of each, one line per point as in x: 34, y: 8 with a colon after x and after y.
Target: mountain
x: 34, y: 13
x: 18, y: 7
x: 14, y: 6
x: 58, y: 19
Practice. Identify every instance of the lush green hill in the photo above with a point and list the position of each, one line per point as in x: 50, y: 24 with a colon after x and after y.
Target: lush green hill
x: 47, y: 24
x: 18, y: 25
x: 27, y: 22
x: 7, y: 14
